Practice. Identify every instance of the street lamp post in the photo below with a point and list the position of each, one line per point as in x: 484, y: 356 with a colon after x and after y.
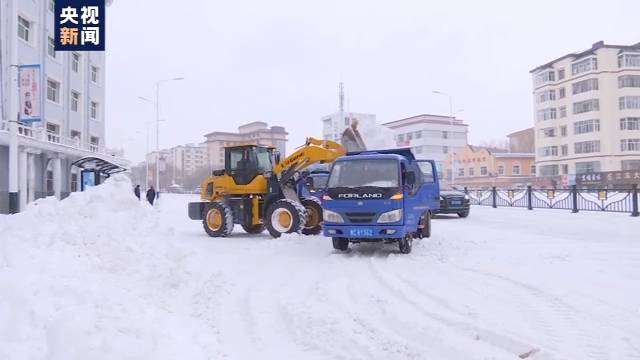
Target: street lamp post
x: 451, y: 114
x: 157, y: 105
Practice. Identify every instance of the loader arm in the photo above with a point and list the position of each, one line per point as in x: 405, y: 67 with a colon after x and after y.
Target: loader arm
x: 312, y: 152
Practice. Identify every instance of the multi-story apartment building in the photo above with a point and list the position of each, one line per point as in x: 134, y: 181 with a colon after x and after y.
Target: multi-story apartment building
x: 430, y: 136
x: 186, y: 159
x: 587, y: 111
x: 72, y: 93
x: 478, y: 166
x: 252, y: 133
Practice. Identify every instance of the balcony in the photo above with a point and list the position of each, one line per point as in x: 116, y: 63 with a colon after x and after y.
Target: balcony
x: 40, y: 134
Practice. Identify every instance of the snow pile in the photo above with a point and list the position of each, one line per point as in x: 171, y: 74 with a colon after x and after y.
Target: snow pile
x: 376, y: 136
x: 83, y: 278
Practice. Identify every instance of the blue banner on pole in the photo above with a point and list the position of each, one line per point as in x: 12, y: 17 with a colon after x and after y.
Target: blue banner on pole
x: 79, y: 25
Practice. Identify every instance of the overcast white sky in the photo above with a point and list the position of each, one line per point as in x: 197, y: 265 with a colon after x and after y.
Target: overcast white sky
x: 281, y: 61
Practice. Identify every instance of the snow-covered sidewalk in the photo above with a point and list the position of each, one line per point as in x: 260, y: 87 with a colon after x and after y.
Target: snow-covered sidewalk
x: 124, y: 281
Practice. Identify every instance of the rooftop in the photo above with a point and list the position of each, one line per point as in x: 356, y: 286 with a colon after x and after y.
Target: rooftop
x: 594, y: 47
x: 425, y: 118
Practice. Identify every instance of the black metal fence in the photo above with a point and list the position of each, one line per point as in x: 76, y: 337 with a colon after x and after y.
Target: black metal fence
x: 574, y: 199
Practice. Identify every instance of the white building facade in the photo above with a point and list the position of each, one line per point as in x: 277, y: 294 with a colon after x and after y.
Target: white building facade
x: 587, y: 111
x: 335, y: 124
x: 430, y: 137
x: 72, y: 94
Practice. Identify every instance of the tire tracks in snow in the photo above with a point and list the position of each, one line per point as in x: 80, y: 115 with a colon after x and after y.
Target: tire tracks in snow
x: 468, y: 330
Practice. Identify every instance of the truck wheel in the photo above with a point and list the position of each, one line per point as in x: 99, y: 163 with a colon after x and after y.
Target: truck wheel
x: 424, y: 229
x: 284, y: 217
x: 464, y: 213
x: 217, y: 219
x: 313, y: 225
x: 405, y: 244
x: 253, y: 229
x: 341, y: 244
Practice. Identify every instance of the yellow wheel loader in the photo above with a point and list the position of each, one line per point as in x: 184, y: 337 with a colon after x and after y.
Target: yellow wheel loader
x: 257, y: 190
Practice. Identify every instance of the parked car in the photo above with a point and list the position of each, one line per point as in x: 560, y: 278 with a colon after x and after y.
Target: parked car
x: 454, y: 202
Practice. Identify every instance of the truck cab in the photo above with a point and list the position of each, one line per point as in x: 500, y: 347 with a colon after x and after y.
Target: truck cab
x: 380, y: 196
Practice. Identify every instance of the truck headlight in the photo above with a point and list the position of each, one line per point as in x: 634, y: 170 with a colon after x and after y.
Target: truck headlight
x: 332, y: 216
x: 466, y: 197
x: 391, y: 216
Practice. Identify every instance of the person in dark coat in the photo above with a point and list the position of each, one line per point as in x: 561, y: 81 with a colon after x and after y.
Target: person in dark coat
x: 137, y: 191
x: 151, y: 195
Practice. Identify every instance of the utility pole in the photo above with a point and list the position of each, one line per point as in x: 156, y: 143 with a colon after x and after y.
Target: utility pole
x: 14, y: 107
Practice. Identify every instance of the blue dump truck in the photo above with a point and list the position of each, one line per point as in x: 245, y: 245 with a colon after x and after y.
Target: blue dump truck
x: 313, y: 183
x: 380, y: 196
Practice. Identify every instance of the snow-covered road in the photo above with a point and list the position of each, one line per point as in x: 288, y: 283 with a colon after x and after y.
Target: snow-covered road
x: 499, y: 284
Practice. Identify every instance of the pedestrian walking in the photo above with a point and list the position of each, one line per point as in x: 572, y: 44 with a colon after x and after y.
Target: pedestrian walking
x: 136, y: 191
x: 151, y: 195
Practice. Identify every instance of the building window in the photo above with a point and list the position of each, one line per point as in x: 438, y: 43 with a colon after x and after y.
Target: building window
x: 630, y: 145
x: 584, y: 66
x: 400, y: 138
x: 75, y: 100
x: 626, y: 81
x: 547, y: 95
x: 51, y: 48
x: 584, y: 86
x: 586, y: 126
x: 24, y: 29
x: 630, y: 165
x: 75, y: 134
x: 53, y: 91
x: 546, y: 114
x: 631, y: 123
x: 548, y: 151
x: 445, y: 149
x: 533, y: 169
x: 74, y: 181
x: 95, y: 140
x: 445, y: 135
x: 563, y: 112
x: 629, y: 60
x: 471, y: 171
x: 563, y: 130
x: 346, y: 120
x: 564, y: 150
x: 549, y: 170
x: 483, y: 171
x: 548, y: 132
x: 49, y: 181
x: 562, y: 92
x: 547, y: 76
x: 586, y: 106
x: 418, y: 135
x: 565, y: 169
x: 409, y: 136
x: 515, y: 170
x: 587, y: 167
x: 629, y: 102
x: 585, y: 147
x: 75, y: 62
x: 461, y: 172
x: 52, y: 5
x: 500, y: 170
x: 94, y: 74
x: 560, y: 74
x: 94, y: 110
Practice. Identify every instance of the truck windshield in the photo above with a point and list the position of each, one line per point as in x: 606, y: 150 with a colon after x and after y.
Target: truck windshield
x: 362, y: 173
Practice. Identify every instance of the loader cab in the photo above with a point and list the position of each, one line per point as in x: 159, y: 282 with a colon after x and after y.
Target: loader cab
x: 244, y: 163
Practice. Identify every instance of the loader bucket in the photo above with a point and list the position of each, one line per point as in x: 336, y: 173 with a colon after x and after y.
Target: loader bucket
x: 352, y: 140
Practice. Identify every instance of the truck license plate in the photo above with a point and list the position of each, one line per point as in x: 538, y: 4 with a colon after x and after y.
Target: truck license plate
x: 361, y: 232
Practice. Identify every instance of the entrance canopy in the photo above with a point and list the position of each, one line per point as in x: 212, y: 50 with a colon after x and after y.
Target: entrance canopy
x: 99, y: 165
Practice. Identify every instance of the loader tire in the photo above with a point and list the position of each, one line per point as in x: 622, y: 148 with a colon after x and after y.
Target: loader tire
x: 253, y: 229
x: 217, y: 219
x: 284, y: 217
x: 313, y: 225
